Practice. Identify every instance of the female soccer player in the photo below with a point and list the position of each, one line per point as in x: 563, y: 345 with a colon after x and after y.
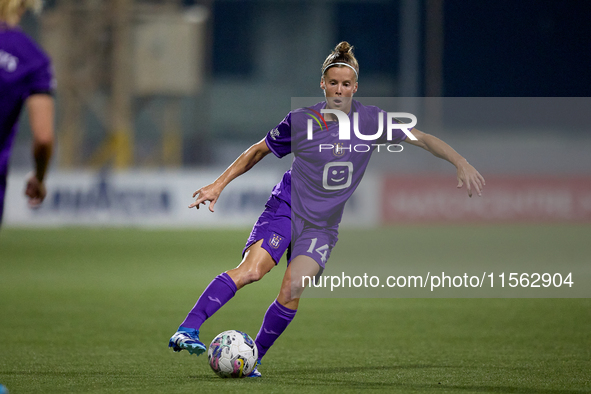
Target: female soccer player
x: 25, y: 78
x: 305, y: 208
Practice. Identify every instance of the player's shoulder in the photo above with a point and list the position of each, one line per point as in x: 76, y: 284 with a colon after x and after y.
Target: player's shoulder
x: 18, y: 43
x: 306, y: 110
x: 299, y: 116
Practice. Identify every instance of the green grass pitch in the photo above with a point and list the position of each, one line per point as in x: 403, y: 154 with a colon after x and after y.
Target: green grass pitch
x: 91, y: 311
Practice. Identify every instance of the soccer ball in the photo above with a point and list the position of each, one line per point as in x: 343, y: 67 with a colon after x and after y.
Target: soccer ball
x: 232, y: 354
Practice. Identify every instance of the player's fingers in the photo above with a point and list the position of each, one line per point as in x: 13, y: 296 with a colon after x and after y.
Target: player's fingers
x: 477, y: 188
x: 196, y: 193
x: 31, y: 190
x: 474, y: 183
x: 211, y: 204
x: 460, y: 183
x: 478, y: 185
x: 481, y: 179
x: 35, y: 202
x: 35, y: 192
x: 196, y: 203
x: 469, y: 187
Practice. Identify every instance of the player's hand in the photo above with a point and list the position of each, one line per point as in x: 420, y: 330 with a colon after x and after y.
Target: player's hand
x: 209, y: 193
x: 468, y: 175
x: 35, y: 190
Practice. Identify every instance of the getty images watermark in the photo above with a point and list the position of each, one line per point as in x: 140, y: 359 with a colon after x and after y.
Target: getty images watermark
x: 392, y: 122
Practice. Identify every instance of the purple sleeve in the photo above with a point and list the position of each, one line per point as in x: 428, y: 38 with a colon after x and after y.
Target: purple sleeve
x: 41, y: 80
x: 279, y: 139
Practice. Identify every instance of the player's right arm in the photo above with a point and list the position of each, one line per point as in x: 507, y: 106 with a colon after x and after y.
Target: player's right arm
x: 466, y: 173
x: 41, y: 115
x: 242, y: 164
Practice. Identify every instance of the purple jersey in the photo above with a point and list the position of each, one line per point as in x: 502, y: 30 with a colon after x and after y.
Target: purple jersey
x: 24, y: 70
x: 321, y: 181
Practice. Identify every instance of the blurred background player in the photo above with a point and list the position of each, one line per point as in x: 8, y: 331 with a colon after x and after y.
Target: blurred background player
x: 25, y: 79
x: 304, y: 211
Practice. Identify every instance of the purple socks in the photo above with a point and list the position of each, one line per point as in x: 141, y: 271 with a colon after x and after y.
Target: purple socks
x: 275, y: 322
x: 221, y: 289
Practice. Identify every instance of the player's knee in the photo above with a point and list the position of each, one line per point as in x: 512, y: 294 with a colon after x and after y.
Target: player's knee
x: 291, y: 290
x: 285, y: 295
x: 254, y: 274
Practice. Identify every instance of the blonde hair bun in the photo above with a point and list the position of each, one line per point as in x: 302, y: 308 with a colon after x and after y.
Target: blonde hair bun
x: 342, y: 53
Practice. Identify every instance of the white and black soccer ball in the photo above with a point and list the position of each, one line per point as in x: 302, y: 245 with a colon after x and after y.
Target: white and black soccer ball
x: 232, y: 354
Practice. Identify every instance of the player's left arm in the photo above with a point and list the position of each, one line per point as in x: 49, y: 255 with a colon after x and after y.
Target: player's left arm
x: 466, y: 173
x: 41, y: 115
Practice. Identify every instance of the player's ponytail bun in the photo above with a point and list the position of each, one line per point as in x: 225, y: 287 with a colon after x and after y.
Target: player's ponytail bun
x: 344, y: 48
x: 342, y: 53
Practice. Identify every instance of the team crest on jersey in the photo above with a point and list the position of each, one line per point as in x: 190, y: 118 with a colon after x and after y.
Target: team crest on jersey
x: 275, y: 241
x: 274, y: 133
x: 338, y: 149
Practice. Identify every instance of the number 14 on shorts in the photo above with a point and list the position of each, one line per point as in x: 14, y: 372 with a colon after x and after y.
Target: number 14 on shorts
x: 322, y: 250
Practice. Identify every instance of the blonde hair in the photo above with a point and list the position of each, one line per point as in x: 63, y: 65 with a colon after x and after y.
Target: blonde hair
x: 342, y: 53
x: 11, y: 10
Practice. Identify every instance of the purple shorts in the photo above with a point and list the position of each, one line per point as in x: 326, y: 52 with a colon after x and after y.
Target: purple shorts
x: 299, y: 237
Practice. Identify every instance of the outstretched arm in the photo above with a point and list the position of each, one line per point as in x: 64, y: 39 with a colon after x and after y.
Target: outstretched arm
x: 41, y: 113
x: 243, y: 163
x: 466, y: 173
